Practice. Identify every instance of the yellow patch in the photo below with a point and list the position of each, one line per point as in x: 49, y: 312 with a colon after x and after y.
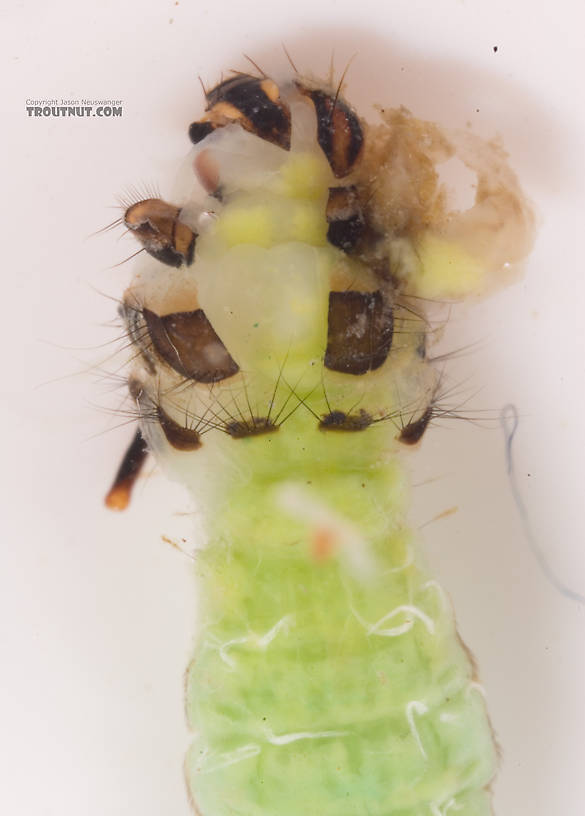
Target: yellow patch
x: 305, y: 176
x: 445, y: 269
x: 247, y: 225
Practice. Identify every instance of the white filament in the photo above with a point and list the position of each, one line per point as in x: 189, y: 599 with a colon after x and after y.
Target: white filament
x: 432, y: 584
x: 284, y: 739
x: 414, y: 611
x: 262, y: 642
x: 416, y: 707
x: 450, y: 805
x: 475, y: 686
x: 231, y: 758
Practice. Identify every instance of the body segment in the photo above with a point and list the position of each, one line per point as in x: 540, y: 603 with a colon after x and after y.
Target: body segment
x: 281, y: 367
x: 328, y: 677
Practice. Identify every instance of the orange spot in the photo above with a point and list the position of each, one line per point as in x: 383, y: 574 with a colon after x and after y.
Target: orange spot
x: 323, y: 544
x: 118, y: 498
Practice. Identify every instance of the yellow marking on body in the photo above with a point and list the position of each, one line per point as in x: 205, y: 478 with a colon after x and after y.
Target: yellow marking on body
x: 270, y: 88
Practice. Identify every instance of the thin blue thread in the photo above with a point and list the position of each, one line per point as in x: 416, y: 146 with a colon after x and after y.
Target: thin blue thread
x: 509, y: 423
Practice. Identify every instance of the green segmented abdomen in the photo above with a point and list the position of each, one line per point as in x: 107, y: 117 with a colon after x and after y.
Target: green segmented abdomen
x: 321, y: 691
x: 282, y: 358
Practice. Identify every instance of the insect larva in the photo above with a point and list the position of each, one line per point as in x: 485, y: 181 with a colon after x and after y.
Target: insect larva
x: 281, y: 362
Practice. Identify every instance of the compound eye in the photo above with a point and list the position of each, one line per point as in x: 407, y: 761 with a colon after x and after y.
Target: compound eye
x: 188, y: 343
x: 359, y: 331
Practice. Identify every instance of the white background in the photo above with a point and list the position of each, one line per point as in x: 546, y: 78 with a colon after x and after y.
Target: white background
x: 97, y: 619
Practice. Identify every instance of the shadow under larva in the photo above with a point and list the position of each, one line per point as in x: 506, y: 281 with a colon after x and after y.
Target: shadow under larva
x: 281, y: 315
